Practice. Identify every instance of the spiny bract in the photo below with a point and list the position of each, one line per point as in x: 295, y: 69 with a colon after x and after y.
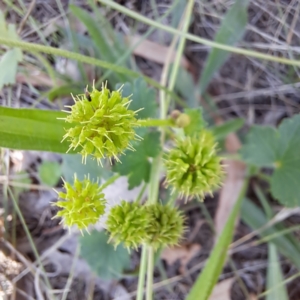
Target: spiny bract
x: 82, y: 205
x: 127, y: 223
x: 165, y: 225
x: 103, y: 124
x: 193, y: 166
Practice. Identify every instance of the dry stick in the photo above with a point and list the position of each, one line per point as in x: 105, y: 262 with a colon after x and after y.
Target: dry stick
x: 30, y: 8
x: 27, y: 186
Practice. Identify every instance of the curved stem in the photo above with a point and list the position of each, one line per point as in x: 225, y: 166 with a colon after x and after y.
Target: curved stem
x: 110, y: 180
x: 32, y: 47
x: 150, y: 271
x: 156, y: 122
x: 142, y: 273
x: 197, y: 39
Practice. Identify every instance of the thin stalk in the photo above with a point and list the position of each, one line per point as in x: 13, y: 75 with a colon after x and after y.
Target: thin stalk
x: 154, y: 180
x: 142, y: 273
x: 179, y: 52
x: 110, y: 181
x: 164, y: 106
x: 32, y: 47
x: 67, y: 288
x: 282, y: 283
x: 197, y: 39
x: 141, y: 193
x: 156, y: 122
x: 31, y: 242
x: 150, y: 271
x: 173, y: 198
x: 129, y: 50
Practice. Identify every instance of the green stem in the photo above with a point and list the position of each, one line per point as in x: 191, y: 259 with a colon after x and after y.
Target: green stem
x: 150, y: 271
x: 154, y: 180
x: 173, y: 198
x: 156, y: 122
x: 110, y: 181
x: 197, y: 39
x: 130, y: 50
x: 264, y: 177
x: 142, y: 273
x: 180, y: 49
x: 141, y: 193
x: 156, y: 164
x: 32, y: 47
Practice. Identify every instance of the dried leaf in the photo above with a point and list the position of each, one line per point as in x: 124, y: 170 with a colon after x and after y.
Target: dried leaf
x: 235, y: 171
x: 153, y: 51
x: 229, y: 194
x: 183, y: 253
x: 222, y: 290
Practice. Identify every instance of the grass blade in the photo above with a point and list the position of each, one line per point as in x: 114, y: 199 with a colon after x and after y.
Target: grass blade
x: 221, y: 131
x: 32, y: 129
x: 232, y: 30
x: 275, y: 277
x: 210, y: 274
x: 98, y: 36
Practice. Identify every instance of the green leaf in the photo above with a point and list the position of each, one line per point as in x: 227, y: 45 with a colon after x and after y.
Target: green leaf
x: 213, y: 268
x: 7, y: 31
x: 197, y: 121
x: 137, y: 164
x: 107, y: 262
x: 255, y: 218
x: 142, y: 97
x: 275, y: 277
x: 221, y: 131
x: 8, y: 66
x: 49, y: 172
x: 266, y: 146
x: 32, y: 129
x: 9, y: 61
x: 72, y: 163
x: 261, y: 147
x: 231, y: 31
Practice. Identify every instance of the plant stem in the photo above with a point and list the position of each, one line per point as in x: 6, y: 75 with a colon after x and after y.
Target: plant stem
x: 110, y: 180
x: 32, y: 47
x: 141, y: 193
x: 156, y: 122
x: 130, y: 50
x: 264, y: 176
x: 180, y: 49
x: 197, y: 39
x: 150, y: 271
x: 142, y: 273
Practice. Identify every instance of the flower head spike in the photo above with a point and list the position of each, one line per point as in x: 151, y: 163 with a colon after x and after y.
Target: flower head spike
x: 127, y: 223
x: 165, y: 225
x: 82, y: 204
x: 103, y: 124
x: 193, y: 166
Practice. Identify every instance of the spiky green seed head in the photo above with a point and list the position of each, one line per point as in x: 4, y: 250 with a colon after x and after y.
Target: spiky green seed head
x: 103, y: 126
x: 193, y: 167
x: 127, y: 224
x: 165, y: 225
x: 82, y: 203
